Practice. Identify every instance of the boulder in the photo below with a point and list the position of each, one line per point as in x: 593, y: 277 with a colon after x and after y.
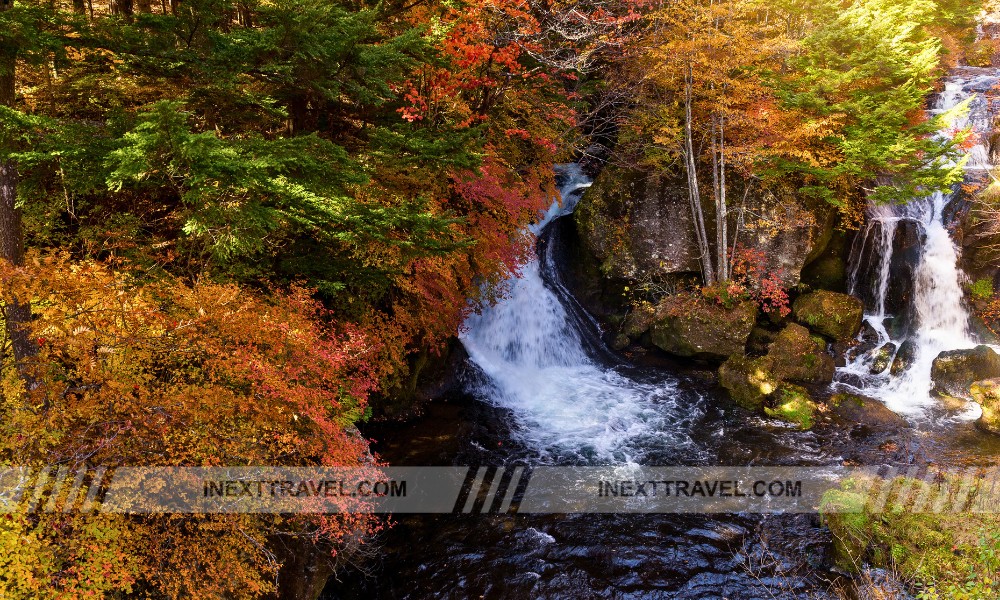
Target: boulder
x: 636, y: 323
x: 987, y: 394
x: 834, y: 315
x: 882, y: 358
x: 797, y: 356
x: 955, y: 371
x: 829, y: 270
x: 858, y: 410
x: 792, y: 403
x: 702, y: 330
x: 749, y: 381
x: 904, y: 358
x: 849, y: 350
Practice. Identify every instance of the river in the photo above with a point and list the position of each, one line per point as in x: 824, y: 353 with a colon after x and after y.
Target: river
x: 539, y: 387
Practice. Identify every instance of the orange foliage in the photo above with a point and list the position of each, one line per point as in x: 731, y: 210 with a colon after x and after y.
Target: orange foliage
x: 166, y: 373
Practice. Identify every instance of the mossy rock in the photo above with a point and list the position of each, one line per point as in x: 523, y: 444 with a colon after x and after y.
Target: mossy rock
x: 858, y: 410
x: 905, y: 356
x: 793, y: 403
x: 797, y: 356
x: 826, y: 273
x: 987, y: 394
x: 877, y: 522
x: 883, y: 358
x: 635, y: 324
x: 831, y: 314
x: 844, y: 513
x: 955, y: 371
x: 749, y: 381
x: 704, y: 331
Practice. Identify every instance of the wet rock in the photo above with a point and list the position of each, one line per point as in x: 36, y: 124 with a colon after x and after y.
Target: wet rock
x: 868, y: 335
x: 858, y: 410
x: 749, y: 381
x: 637, y: 323
x: 981, y: 331
x: 883, y: 358
x: 849, y: 350
x: 797, y: 356
x: 987, y: 394
x: 704, y: 331
x: 904, y: 358
x: 834, y: 315
x: 955, y: 371
x: 793, y: 403
x: 896, y: 327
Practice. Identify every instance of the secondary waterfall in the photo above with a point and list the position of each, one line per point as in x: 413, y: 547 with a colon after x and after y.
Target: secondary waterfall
x: 904, y: 265
x: 533, y: 360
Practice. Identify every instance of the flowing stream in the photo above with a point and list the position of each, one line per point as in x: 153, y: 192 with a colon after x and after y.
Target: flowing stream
x: 530, y: 349
x: 540, y: 388
x: 905, y: 266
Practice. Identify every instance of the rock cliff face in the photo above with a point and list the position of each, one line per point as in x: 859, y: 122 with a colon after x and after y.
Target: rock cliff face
x: 636, y: 226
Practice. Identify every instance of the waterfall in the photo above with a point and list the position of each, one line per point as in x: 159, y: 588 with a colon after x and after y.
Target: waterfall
x: 915, y: 307
x: 532, y: 359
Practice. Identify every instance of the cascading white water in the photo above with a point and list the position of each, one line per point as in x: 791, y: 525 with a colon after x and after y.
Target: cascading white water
x: 536, y: 365
x: 940, y: 319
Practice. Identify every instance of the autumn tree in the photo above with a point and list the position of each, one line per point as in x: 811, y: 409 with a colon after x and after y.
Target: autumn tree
x: 364, y: 168
x: 170, y: 374
x: 703, y: 68
x: 759, y: 94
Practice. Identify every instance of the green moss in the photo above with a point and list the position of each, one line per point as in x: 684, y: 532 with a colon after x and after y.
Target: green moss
x: 748, y: 381
x: 938, y: 554
x: 981, y: 289
x: 831, y: 314
x: 793, y: 404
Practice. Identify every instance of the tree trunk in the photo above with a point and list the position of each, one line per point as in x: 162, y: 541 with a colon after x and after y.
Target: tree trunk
x: 80, y: 7
x: 244, y: 15
x: 144, y: 6
x: 694, y: 196
x: 123, y: 8
x: 722, y: 218
x: 16, y: 314
x: 717, y: 196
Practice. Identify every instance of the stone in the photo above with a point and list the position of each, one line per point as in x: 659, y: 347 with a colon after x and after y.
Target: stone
x: 704, y: 330
x: 987, y: 394
x: 636, y: 224
x: 797, y: 356
x: 849, y: 350
x: 882, y: 358
x: 638, y: 321
x: 858, y: 410
x: 749, y: 381
x: 831, y: 314
x: 827, y: 273
x: 955, y: 371
x: 792, y: 403
x: 904, y: 358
